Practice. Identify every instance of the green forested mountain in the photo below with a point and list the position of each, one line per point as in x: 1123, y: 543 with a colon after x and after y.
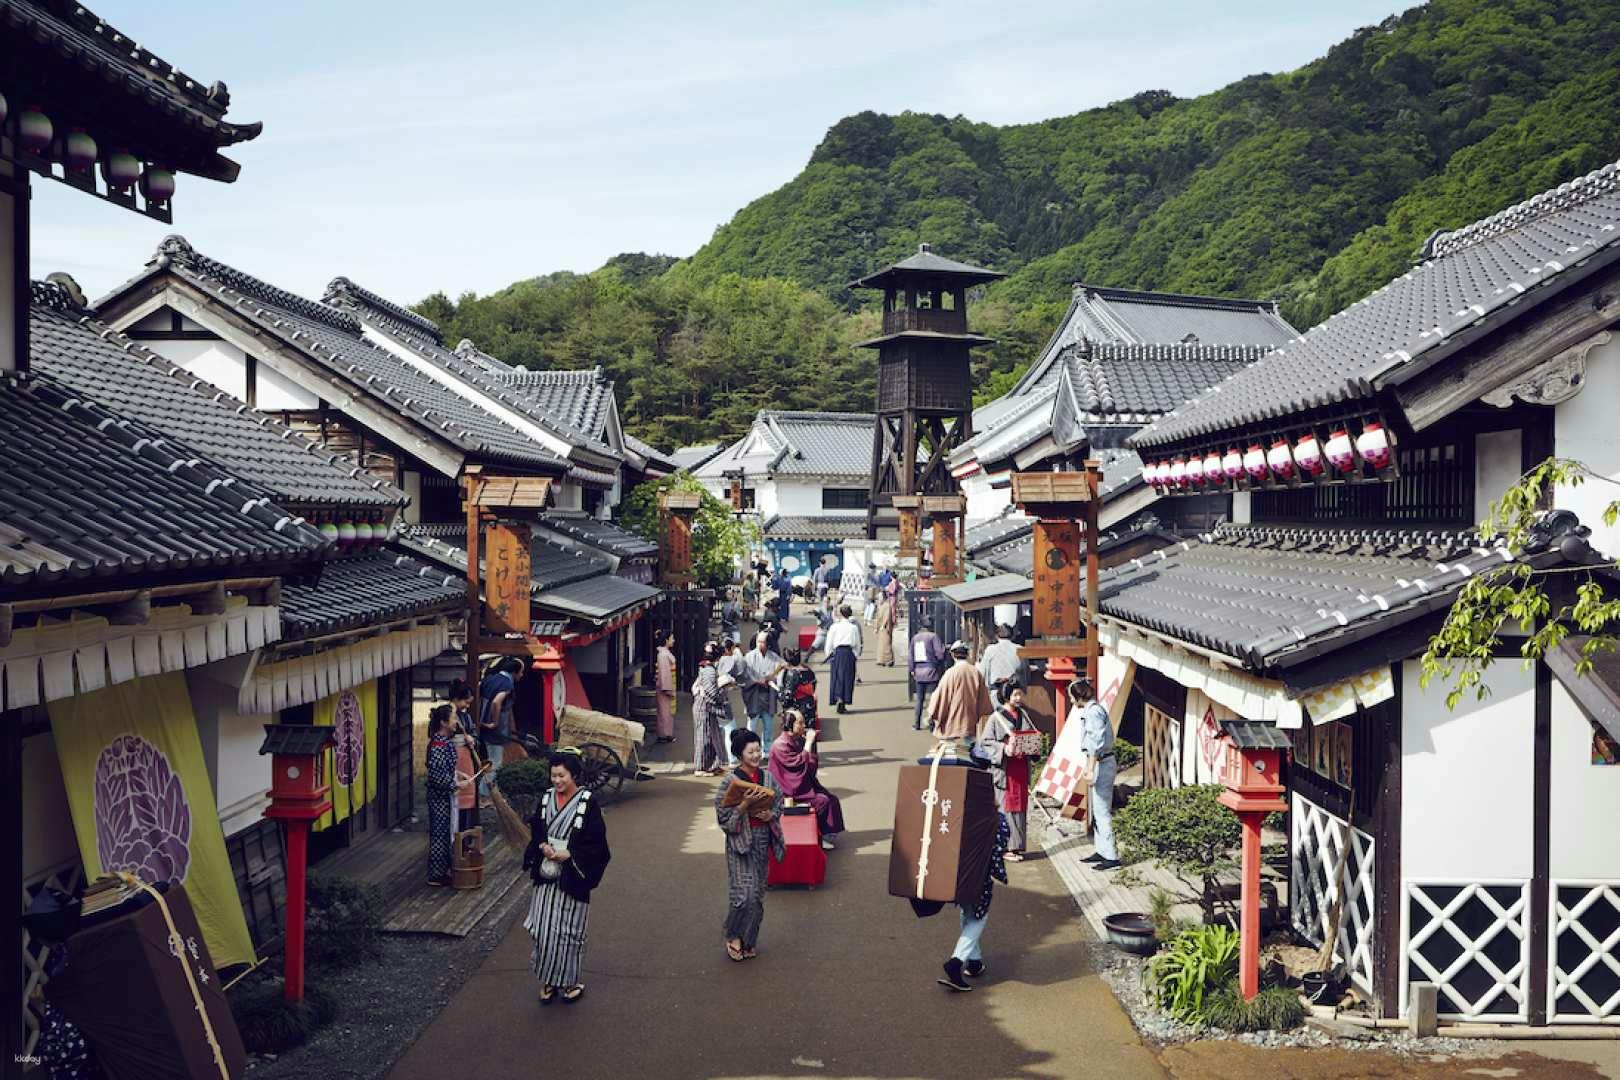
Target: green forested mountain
x: 1313, y: 186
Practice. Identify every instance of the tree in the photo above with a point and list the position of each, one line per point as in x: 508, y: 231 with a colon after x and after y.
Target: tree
x: 1187, y: 831
x: 720, y: 540
x: 1542, y: 603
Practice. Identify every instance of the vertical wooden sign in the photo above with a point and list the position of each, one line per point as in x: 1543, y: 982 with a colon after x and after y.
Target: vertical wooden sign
x: 506, y: 577
x: 1056, y: 606
x: 947, y: 562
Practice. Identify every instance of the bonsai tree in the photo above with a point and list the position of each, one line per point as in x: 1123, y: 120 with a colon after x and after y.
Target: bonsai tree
x: 1187, y: 831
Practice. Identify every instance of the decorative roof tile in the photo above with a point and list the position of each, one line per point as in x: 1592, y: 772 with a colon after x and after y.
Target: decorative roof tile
x: 801, y: 444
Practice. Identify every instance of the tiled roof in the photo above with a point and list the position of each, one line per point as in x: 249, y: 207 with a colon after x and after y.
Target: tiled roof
x: 924, y: 261
x: 107, y: 367
x: 690, y: 457
x: 599, y: 598
x: 88, y: 493
x: 165, y: 97
x: 987, y: 588
x: 472, y: 354
x: 1137, y: 383
x: 815, y: 528
x: 1254, y: 592
x: 655, y: 457
x: 411, y: 331
x: 803, y: 444
x: 1470, y: 280
x: 603, y: 535
x: 332, y: 338
x: 1016, y: 555
x: 551, y: 565
x: 581, y: 398
x: 1007, y: 526
x: 367, y: 589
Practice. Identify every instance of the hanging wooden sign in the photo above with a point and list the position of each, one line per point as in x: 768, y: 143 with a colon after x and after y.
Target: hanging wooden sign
x: 506, y: 577
x: 1056, y: 607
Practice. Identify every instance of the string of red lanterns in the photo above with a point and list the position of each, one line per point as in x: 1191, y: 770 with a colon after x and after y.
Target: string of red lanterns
x: 1287, y: 463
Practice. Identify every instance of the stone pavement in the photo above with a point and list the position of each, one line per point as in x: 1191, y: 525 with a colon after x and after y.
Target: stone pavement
x: 844, y: 983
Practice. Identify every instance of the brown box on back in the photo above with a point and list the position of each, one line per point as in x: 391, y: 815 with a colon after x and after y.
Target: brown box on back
x: 960, y: 831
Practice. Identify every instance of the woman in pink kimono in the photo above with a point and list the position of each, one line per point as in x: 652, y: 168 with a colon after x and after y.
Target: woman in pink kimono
x: 666, y: 688
x: 794, y: 763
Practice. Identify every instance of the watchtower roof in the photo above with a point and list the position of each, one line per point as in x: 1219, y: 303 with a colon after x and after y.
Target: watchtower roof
x: 925, y: 264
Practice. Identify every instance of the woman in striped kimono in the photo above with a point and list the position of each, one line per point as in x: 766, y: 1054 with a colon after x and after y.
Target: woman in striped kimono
x: 751, y: 838
x: 441, y: 792
x: 566, y: 857
x: 710, y: 712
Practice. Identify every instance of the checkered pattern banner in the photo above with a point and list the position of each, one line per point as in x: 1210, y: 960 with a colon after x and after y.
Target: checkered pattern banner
x: 1060, y: 778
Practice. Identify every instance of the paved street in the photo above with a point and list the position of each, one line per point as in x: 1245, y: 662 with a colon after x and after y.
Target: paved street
x: 844, y: 984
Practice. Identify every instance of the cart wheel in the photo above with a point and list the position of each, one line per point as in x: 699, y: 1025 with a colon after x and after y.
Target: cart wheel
x: 603, y: 773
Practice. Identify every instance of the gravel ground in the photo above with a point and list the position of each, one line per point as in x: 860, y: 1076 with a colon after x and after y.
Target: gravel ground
x: 1123, y: 973
x: 384, y: 1004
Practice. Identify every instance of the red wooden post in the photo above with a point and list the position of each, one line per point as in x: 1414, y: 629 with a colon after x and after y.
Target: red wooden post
x: 293, y: 959
x: 1249, y: 924
x: 298, y: 795
x: 1060, y: 672
x: 1249, y: 774
x: 548, y: 664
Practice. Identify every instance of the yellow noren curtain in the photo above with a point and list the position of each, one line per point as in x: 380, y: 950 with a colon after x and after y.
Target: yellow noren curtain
x: 351, y: 765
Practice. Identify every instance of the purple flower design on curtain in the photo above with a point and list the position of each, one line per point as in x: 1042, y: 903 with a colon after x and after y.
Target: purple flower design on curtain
x: 349, y: 731
x: 143, y: 822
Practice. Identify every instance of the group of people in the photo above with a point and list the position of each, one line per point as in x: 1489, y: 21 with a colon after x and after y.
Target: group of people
x: 462, y: 755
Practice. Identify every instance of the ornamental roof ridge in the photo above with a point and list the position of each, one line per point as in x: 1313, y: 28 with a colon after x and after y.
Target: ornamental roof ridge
x: 342, y: 291
x: 1566, y: 195
x: 1173, y: 299
x: 176, y: 250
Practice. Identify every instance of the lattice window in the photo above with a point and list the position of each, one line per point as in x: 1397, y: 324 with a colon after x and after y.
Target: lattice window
x: 1318, y: 839
x: 1585, y: 947
x: 1161, y: 749
x: 67, y: 877
x: 1472, y: 940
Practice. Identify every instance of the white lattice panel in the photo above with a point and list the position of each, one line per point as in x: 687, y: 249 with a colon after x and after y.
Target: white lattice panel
x: 1584, y: 953
x: 67, y: 878
x: 1161, y: 749
x: 1472, y: 940
x: 1318, y: 839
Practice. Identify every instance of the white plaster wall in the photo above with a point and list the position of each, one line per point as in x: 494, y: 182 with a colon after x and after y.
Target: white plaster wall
x: 766, y: 501
x: 1588, y: 430
x: 802, y: 498
x: 220, y: 362
x: 568, y: 497
x: 1497, y: 464
x: 161, y: 320
x: 230, y: 744
x: 1585, y: 799
x: 48, y: 838
x: 1240, y: 508
x: 1467, y: 778
x: 984, y: 501
x: 273, y: 391
x: 413, y: 488
x: 719, y: 489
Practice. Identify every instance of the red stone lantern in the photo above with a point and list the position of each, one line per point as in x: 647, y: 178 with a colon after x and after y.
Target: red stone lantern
x: 1250, y: 774
x: 299, y: 794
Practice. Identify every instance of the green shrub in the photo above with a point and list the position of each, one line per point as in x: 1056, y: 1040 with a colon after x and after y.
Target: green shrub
x: 1191, y: 966
x: 522, y: 782
x: 1186, y: 830
x: 1276, y: 1008
x: 269, y: 1024
x: 1159, y: 905
x: 1126, y: 753
x: 343, y: 922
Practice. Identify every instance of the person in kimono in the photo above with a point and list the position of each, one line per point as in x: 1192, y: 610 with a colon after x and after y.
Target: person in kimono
x: 784, y: 596
x: 441, y: 792
x: 1097, y: 767
x: 666, y: 687
x: 751, y: 839
x: 960, y: 700
x: 730, y: 618
x: 464, y: 738
x: 756, y: 674
x: 967, y: 959
x: 888, y: 605
x: 798, y: 690
x: 1009, y: 769
x: 566, y: 858
x: 843, y: 649
x: 1000, y: 661
x: 709, y: 714
x: 927, y: 664
x: 794, y: 765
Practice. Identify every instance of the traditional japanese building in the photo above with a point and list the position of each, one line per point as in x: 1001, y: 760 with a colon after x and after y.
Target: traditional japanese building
x: 1358, y: 457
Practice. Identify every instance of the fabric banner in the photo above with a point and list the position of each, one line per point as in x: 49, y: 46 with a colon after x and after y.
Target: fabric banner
x: 1115, y: 676
x: 138, y: 790
x: 351, y: 762
x: 1203, y: 741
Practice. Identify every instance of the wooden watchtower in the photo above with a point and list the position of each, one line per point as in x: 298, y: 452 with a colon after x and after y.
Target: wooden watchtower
x: 924, y: 394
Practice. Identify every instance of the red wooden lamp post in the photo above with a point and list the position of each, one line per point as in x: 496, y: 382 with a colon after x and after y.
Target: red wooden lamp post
x: 548, y: 665
x: 298, y: 795
x: 1250, y: 773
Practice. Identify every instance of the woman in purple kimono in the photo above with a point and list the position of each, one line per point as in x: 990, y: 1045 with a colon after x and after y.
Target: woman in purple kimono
x: 794, y: 763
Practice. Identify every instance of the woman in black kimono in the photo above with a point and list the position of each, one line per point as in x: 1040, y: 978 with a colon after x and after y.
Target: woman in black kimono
x: 567, y: 855
x: 441, y: 792
x: 799, y: 688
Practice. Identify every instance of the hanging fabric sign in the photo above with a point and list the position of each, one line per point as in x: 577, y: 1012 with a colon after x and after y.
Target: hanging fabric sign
x: 352, y: 760
x: 138, y: 790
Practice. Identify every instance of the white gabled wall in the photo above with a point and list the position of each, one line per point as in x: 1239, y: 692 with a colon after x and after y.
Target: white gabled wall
x: 1585, y: 799
x: 219, y: 362
x: 1588, y: 430
x: 1467, y: 779
x: 984, y: 501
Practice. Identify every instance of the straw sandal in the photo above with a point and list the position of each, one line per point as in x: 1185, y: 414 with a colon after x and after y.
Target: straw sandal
x: 572, y: 994
x: 548, y: 994
x: 735, y: 951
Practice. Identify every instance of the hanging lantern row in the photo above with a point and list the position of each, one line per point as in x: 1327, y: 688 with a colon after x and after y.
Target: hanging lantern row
x: 1287, y: 462
x: 355, y: 535
x: 36, y: 136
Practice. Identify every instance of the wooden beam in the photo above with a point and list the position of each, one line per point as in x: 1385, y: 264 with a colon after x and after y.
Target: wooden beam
x: 1500, y: 357
x: 5, y: 624
x: 1540, y: 843
x: 209, y: 602
x: 136, y: 611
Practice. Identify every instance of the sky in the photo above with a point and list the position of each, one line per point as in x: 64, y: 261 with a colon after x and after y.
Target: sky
x: 418, y: 147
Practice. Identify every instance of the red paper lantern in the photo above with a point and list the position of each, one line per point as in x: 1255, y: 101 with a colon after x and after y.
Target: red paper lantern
x: 1254, y: 462
x: 1281, y: 460
x: 121, y: 170
x: 1308, y: 456
x: 1213, y: 473
x: 1339, y: 451
x: 1195, y: 471
x: 1178, y: 473
x: 157, y: 184
x: 1232, y: 463
x: 1373, y: 445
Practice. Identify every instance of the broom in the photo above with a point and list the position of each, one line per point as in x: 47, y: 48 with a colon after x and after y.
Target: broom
x: 513, y: 828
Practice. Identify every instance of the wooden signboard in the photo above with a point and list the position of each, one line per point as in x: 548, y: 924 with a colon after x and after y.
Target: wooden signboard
x: 1056, y: 607
x: 506, y: 577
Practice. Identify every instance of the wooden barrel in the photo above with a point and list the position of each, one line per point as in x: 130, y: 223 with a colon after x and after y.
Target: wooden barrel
x: 644, y: 705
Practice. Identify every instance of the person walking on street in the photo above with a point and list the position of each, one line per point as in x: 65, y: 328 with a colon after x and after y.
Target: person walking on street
x: 708, y: 716
x: 1098, y: 767
x: 927, y: 662
x: 887, y: 606
x: 499, y: 693
x: 752, y: 836
x: 666, y: 687
x: 967, y: 959
x: 757, y: 673
x: 566, y: 858
x: 843, y: 648
x: 798, y: 688
x: 730, y: 618
x: 1000, y: 661
x: 961, y: 700
x: 784, y: 597
x: 1009, y: 768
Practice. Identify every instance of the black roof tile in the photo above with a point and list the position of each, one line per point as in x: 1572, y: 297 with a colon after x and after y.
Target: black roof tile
x: 604, y: 535
x: 582, y: 398
x: 367, y: 589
